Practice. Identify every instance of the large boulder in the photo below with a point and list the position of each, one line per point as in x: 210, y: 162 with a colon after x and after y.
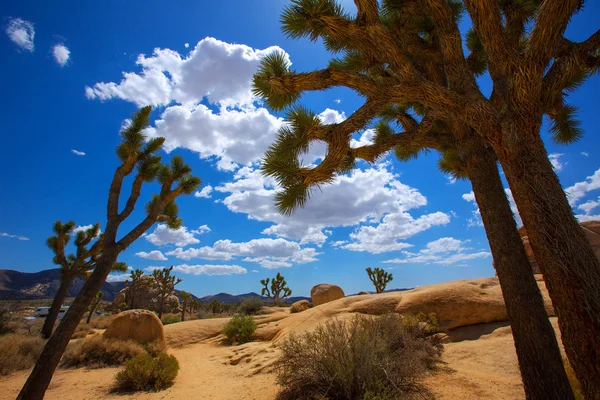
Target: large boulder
x: 145, y: 297
x: 590, y: 228
x: 299, y: 306
x: 142, y: 326
x: 325, y: 292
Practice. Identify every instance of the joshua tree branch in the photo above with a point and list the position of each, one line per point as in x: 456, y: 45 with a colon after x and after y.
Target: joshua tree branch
x: 133, y: 198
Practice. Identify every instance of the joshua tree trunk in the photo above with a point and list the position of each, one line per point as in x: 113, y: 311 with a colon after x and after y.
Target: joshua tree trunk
x: 57, y: 303
x: 92, y: 310
x: 161, y: 306
x: 567, y: 260
x: 538, y: 353
x: 40, y: 377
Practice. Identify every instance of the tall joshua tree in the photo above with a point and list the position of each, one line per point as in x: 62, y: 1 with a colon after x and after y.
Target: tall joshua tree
x: 278, y: 289
x: 94, y: 305
x: 72, y: 265
x: 530, y: 71
x: 186, y: 304
x: 134, y: 284
x: 164, y: 283
x: 380, y: 278
x: 138, y: 157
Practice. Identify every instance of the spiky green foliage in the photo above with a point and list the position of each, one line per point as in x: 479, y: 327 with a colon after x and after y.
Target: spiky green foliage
x: 304, y: 18
x: 164, y: 283
x: 380, y: 278
x: 451, y: 163
x: 564, y: 126
x: 274, y: 65
x: 277, y: 290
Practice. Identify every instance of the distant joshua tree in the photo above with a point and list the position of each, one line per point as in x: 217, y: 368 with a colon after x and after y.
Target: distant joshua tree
x: 94, y: 305
x: 72, y: 265
x: 165, y: 284
x: 186, y: 303
x: 279, y: 289
x: 137, y: 158
x: 136, y: 283
x: 380, y: 278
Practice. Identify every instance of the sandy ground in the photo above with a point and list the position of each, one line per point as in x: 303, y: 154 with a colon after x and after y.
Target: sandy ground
x: 480, y: 363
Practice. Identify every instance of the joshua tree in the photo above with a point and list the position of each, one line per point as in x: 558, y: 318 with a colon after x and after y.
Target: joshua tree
x: 403, y: 42
x: 380, y: 278
x: 134, y: 285
x: 279, y: 289
x: 72, y: 265
x: 94, y: 305
x: 186, y: 303
x: 215, y: 306
x: 137, y: 156
x: 164, y: 283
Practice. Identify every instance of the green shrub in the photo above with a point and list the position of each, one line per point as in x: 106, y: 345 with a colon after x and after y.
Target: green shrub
x: 19, y: 352
x: 251, y: 306
x: 240, y: 329
x: 170, y: 319
x: 145, y: 372
x: 97, y: 352
x: 364, y: 358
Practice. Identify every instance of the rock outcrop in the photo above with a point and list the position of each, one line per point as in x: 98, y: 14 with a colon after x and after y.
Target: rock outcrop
x: 145, y: 297
x: 325, y: 292
x: 142, y: 326
x: 592, y: 232
x: 300, y: 306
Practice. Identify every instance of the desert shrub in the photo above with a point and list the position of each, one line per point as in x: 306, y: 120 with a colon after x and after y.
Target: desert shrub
x: 101, y: 322
x: 170, y: 319
x: 251, y: 306
x: 5, y: 326
x: 240, y: 329
x: 19, y: 352
x: 97, y: 352
x: 363, y: 358
x: 145, y: 372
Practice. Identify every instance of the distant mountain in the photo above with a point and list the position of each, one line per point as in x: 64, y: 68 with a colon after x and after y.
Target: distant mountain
x: 16, y: 285
x: 233, y: 299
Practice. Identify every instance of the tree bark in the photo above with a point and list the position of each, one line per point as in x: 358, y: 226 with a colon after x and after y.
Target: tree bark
x: 540, y: 361
x: 57, y: 303
x: 94, y: 305
x: 567, y: 260
x: 40, y: 377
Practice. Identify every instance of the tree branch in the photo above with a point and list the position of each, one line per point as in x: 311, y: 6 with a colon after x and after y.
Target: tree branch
x: 133, y: 198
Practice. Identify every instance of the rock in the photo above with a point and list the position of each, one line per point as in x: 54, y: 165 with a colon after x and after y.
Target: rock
x: 145, y: 298
x: 142, y: 326
x: 325, y: 292
x: 299, y: 306
x: 362, y: 293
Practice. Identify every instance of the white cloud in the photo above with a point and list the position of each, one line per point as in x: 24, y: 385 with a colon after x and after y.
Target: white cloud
x: 255, y: 271
x: 61, y: 54
x: 365, y: 139
x: 451, y: 179
x: 330, y: 116
x: 589, y: 205
x: 84, y: 228
x: 204, y: 193
x: 585, y: 154
x: 556, y: 162
x: 77, y: 152
x: 206, y: 253
x: 210, y: 270
x: 444, y: 251
x: 153, y: 255
x: 218, y: 71
x: 580, y: 189
x: 201, y: 230
x: 186, y: 45
x: 164, y: 235
x: 117, y: 277
x: 338, y: 101
x: 469, y: 197
x: 21, y: 32
x: 8, y: 235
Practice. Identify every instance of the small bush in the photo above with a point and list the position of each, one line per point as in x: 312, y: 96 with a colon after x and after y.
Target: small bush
x: 240, y: 329
x: 364, y: 358
x: 251, y: 306
x: 97, y: 352
x: 5, y: 326
x: 19, y: 352
x: 170, y: 319
x: 145, y: 372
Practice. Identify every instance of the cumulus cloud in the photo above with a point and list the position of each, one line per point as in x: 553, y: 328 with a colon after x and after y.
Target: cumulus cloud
x: 338, y: 101
x: 201, y: 230
x: 153, y: 255
x: 204, y: 193
x: 84, y: 228
x: 61, y: 54
x: 556, y: 161
x: 365, y: 139
x: 163, y: 235
x: 77, y: 152
x: 580, y: 189
x: 117, y: 277
x: 21, y: 32
x: 210, y: 270
x: 585, y: 154
x: 186, y: 45
x: 8, y: 235
x: 444, y: 251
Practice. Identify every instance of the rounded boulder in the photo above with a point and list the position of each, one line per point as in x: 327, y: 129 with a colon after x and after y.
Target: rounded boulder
x: 142, y: 326
x: 325, y: 292
x: 299, y: 306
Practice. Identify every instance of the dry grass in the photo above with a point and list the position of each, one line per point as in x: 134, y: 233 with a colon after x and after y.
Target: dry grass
x: 145, y: 372
x: 365, y: 358
x: 18, y: 352
x: 97, y: 352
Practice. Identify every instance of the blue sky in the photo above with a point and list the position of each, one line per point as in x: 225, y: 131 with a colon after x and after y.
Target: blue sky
x: 73, y: 72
